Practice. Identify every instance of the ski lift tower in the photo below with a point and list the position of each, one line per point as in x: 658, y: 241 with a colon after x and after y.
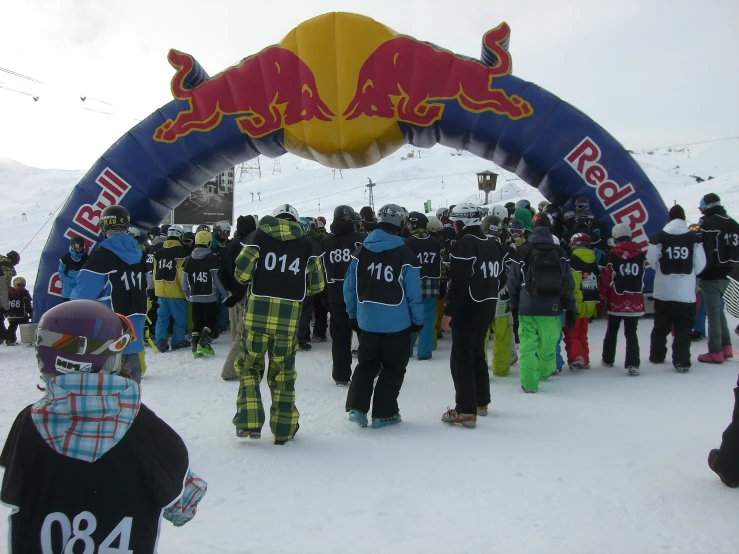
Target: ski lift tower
x: 486, y: 181
x: 371, y: 198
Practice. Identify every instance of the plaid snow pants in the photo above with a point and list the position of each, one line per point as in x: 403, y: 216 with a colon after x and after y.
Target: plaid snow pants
x: 281, y: 375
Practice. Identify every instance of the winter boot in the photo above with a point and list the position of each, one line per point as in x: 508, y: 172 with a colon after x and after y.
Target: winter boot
x: 355, y: 416
x: 248, y: 434
x: 728, y: 352
x: 633, y: 371
x: 681, y: 368
x: 204, y: 343
x: 195, y: 339
x: 184, y: 344
x: 465, y: 420
x: 577, y: 363
x: 711, y: 358
x: 319, y: 338
x: 713, y: 456
x: 163, y: 346
x: 302, y: 345
x: 378, y: 422
x: 527, y: 391
x: 605, y: 364
x: 482, y: 411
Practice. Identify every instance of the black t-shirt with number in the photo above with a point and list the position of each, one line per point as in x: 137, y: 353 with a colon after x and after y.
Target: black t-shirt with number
x: 282, y: 266
x: 676, y: 257
x: 721, y: 236
x: 628, y: 274
x: 428, y: 253
x: 127, y: 281
x: 337, y: 254
x: 111, y: 505
x: 199, y: 272
x: 378, y: 274
x: 149, y: 258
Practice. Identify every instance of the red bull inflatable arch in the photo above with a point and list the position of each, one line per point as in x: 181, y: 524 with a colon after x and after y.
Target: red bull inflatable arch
x: 346, y: 91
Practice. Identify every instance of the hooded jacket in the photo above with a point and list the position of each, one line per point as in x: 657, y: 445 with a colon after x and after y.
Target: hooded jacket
x: 61, y: 436
x: 715, y: 221
x: 625, y: 303
x: 585, y: 273
x: 339, y: 229
x: 173, y: 251
x: 69, y: 267
x: 276, y: 316
x: 380, y: 318
x: 93, y: 285
x: 675, y: 288
x: 527, y: 304
x: 7, y: 270
x: 245, y: 226
x: 199, y: 253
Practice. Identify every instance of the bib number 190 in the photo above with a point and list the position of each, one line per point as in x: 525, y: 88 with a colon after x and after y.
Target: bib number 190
x: 78, y: 534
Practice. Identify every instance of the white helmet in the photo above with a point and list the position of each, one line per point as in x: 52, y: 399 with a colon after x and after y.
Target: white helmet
x: 175, y: 232
x: 286, y: 210
x: 222, y: 229
x: 543, y: 204
x: 434, y: 225
x: 467, y: 214
x: 440, y: 212
x: 500, y: 211
x: 134, y: 232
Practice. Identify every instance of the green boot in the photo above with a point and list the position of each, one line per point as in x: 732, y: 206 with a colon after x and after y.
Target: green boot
x: 195, y: 337
x: 204, y: 343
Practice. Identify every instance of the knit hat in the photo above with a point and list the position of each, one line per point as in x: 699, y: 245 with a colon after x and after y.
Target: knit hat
x: 621, y: 230
x: 676, y: 212
x: 710, y: 200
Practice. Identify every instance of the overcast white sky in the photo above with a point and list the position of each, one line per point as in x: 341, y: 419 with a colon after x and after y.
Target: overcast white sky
x: 652, y: 72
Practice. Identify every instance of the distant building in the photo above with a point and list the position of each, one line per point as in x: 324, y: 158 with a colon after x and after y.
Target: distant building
x: 222, y: 184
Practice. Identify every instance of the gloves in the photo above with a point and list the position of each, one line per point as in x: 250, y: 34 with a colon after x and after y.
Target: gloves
x: 416, y: 328
x: 354, y: 325
x: 231, y: 301
x: 570, y: 319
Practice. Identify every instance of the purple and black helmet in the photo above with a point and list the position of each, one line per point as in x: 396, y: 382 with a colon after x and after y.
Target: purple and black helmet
x: 81, y: 336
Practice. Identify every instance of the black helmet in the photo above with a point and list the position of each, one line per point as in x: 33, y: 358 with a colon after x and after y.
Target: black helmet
x: 418, y: 220
x: 154, y: 232
x: 115, y: 218
x: 543, y: 219
x: 165, y: 229
x: 14, y: 257
x: 77, y: 242
x: 492, y: 225
x: 344, y: 213
x: 552, y: 210
x: 188, y: 239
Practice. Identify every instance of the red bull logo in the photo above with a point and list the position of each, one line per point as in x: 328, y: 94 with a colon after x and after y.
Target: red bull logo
x: 269, y: 91
x: 409, y: 80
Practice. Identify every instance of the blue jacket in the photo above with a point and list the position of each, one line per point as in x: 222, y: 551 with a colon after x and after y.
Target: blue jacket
x: 67, y: 275
x: 378, y: 318
x: 96, y: 286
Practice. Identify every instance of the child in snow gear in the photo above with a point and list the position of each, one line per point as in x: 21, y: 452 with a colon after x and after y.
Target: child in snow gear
x: 202, y: 288
x: 20, y: 309
x: 621, y: 293
x: 541, y: 286
x: 245, y: 226
x: 476, y: 277
x: 70, y: 265
x: 429, y: 253
x: 338, y: 247
x: 168, y: 262
x: 382, y: 292
x: 677, y: 256
x: 115, y: 274
x: 282, y: 266
x: 724, y: 461
x: 586, y: 273
x: 720, y: 235
x: 92, y: 479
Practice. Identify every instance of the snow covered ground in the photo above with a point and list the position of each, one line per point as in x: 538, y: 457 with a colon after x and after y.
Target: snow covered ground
x: 596, y: 462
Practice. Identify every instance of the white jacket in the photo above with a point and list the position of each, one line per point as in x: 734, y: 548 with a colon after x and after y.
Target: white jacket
x: 675, y: 288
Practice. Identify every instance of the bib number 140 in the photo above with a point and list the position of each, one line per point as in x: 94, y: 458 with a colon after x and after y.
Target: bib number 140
x: 76, y: 535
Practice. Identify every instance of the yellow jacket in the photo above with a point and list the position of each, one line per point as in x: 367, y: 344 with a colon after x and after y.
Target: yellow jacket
x: 586, y: 274
x: 167, y: 272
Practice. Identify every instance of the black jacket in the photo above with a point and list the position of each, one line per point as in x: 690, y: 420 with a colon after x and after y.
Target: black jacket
x: 245, y: 225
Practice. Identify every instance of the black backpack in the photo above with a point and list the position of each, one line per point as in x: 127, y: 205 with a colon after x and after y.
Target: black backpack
x: 545, y: 273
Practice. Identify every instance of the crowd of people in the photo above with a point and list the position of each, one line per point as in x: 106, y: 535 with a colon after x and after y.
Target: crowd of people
x: 530, y: 279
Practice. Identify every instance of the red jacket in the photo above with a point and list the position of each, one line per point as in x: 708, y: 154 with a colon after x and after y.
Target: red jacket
x: 621, y: 289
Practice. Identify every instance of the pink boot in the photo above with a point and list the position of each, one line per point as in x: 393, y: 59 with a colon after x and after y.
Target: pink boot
x: 711, y: 358
x: 728, y: 352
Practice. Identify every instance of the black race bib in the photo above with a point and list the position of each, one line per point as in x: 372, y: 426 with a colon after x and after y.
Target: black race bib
x: 282, y: 266
x: 428, y: 252
x: 378, y: 275
x: 726, y: 231
x: 17, y: 308
x: 337, y: 254
x: 676, y: 257
x: 165, y: 261
x: 127, y: 282
x: 628, y: 275
x: 199, y: 274
x: 488, y: 263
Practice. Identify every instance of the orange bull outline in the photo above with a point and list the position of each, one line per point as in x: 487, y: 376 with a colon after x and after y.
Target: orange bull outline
x: 420, y: 107
x: 213, y: 94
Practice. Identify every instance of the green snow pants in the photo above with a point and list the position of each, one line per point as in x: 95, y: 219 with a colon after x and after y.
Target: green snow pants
x: 538, y: 347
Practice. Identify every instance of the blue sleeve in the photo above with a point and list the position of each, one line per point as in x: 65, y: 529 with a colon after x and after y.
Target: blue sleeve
x: 90, y: 286
x: 66, y: 279
x: 412, y: 286
x: 350, y: 290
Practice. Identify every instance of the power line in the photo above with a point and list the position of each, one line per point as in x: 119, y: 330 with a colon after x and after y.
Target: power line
x: 5, y: 70
x: 686, y: 144
x: 45, y: 222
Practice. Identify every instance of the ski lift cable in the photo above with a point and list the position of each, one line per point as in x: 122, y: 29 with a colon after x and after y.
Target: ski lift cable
x: 16, y: 74
x: 47, y: 221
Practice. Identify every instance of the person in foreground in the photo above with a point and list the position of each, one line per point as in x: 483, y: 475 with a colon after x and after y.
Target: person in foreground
x: 88, y: 467
x: 724, y: 461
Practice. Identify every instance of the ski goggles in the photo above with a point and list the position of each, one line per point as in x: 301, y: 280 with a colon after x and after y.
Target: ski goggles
x: 78, y: 248
x: 516, y: 229
x: 493, y: 230
x: 74, y: 344
x: 582, y: 206
x: 188, y: 242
